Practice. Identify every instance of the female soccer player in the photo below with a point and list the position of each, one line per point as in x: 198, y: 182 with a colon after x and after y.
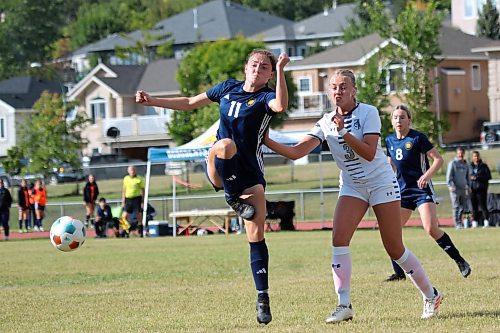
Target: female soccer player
x: 408, y: 151
x: 235, y: 162
x: 352, y: 132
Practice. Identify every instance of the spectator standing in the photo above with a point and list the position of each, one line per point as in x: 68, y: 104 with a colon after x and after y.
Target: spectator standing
x: 39, y: 194
x: 90, y: 194
x: 23, y: 203
x: 458, y: 180
x: 5, y: 203
x: 132, y: 198
x: 479, y: 175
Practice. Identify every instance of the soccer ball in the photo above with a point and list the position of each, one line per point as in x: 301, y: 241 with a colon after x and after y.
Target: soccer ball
x: 67, y: 234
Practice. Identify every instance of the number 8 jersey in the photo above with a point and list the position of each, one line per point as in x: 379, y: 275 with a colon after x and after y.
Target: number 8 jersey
x: 362, y: 120
x: 244, y: 118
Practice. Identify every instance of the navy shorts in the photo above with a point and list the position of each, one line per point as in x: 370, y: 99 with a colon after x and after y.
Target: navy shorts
x: 246, y: 178
x: 411, y: 198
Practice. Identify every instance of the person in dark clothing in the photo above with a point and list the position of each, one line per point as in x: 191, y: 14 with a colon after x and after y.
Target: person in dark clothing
x: 90, y: 195
x: 5, y: 203
x: 103, y: 217
x: 23, y: 203
x: 479, y: 175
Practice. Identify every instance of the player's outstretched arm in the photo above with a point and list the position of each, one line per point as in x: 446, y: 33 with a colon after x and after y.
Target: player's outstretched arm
x: 301, y: 149
x: 174, y: 103
x: 280, y: 104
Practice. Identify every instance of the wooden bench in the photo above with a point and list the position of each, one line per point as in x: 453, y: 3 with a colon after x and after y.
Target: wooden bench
x: 191, y: 220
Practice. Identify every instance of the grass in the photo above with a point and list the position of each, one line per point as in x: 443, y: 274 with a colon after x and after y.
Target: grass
x: 203, y: 284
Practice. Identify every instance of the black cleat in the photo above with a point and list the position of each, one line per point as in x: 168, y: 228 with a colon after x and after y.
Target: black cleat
x: 464, y: 268
x: 244, y: 210
x: 264, y: 315
x: 395, y: 277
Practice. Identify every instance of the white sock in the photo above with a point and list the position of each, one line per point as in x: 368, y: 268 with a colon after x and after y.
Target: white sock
x: 341, y: 270
x: 416, y: 272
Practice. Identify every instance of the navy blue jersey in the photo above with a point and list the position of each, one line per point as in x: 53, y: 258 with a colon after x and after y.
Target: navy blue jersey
x: 409, y: 155
x: 244, y: 118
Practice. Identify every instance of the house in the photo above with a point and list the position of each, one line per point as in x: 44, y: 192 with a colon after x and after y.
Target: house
x: 461, y: 94
x: 492, y: 51
x: 214, y: 20
x: 107, y: 96
x: 464, y: 14
x: 324, y: 29
x: 17, y: 97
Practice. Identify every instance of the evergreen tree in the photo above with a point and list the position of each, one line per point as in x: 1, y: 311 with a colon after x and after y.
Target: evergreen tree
x: 488, y: 23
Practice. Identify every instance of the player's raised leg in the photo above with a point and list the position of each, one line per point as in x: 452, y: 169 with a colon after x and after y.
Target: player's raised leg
x: 222, y: 170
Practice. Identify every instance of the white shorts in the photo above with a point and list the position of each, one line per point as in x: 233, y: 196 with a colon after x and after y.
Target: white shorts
x: 387, y: 190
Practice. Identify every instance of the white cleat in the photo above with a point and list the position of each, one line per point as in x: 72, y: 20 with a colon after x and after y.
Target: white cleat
x: 341, y: 313
x: 431, y: 305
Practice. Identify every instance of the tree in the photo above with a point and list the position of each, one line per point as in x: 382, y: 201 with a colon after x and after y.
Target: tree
x: 205, y: 66
x: 28, y: 33
x: 418, y: 31
x: 371, y: 17
x: 47, y: 138
x: 488, y: 23
x: 163, y: 48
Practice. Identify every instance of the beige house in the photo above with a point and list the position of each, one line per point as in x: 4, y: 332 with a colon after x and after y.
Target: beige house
x: 464, y: 14
x: 107, y: 96
x: 461, y: 94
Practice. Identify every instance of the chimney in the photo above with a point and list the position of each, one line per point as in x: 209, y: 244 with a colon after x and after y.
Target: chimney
x: 195, y: 18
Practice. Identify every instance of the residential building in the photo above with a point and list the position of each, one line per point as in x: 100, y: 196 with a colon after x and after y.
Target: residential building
x: 461, y: 94
x: 17, y: 97
x: 464, y: 14
x: 107, y: 96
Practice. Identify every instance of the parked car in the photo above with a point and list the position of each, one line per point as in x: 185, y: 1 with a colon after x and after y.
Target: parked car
x: 60, y: 173
x: 7, y: 180
x: 114, y: 166
x: 490, y: 133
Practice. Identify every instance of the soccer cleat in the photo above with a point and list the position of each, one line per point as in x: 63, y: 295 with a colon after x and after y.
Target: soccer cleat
x: 41, y: 228
x: 341, y: 313
x: 35, y: 228
x: 464, y: 268
x: 395, y: 277
x: 244, y: 210
x: 431, y: 305
x: 263, y: 309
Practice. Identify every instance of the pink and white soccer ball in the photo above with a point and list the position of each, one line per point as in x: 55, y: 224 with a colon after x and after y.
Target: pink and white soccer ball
x: 67, y: 234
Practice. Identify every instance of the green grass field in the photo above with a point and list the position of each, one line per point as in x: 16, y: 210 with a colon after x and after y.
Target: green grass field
x: 203, y: 284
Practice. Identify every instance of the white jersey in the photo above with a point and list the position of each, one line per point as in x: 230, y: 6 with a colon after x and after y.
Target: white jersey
x: 363, y: 120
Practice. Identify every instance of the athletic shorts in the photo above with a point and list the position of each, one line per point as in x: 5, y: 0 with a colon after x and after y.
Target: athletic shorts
x: 39, y: 207
x: 383, y: 192
x: 133, y: 205
x: 411, y: 198
x: 245, y: 178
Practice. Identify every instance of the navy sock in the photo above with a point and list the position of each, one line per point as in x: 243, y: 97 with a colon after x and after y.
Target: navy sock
x: 447, y: 245
x: 227, y: 169
x: 20, y: 224
x: 397, y: 269
x: 259, y: 262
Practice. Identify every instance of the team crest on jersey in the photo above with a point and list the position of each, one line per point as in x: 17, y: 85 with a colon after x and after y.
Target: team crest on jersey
x: 227, y: 97
x: 251, y: 102
x: 408, y: 145
x: 356, y: 124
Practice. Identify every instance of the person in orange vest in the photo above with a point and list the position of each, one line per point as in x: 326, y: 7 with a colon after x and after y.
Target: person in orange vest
x: 90, y: 193
x: 39, y: 195
x: 23, y: 203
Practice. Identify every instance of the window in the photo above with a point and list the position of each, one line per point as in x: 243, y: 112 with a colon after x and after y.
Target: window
x: 476, y: 77
x: 468, y: 10
x: 395, y: 78
x: 304, y: 85
x: 97, y: 109
x: 3, y: 133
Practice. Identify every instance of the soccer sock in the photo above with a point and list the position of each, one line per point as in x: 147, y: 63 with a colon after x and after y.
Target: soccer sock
x: 20, y: 224
x: 416, y: 272
x: 447, y: 245
x: 259, y: 262
x: 227, y: 171
x: 38, y: 222
x: 87, y: 218
x: 341, y: 270
x: 397, y: 269
x: 28, y: 223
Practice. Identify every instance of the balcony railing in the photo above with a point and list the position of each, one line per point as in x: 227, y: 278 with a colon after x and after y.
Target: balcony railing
x: 312, y: 105
x: 137, y: 125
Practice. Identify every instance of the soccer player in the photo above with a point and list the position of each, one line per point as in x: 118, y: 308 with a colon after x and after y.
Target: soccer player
x: 408, y: 151
x: 235, y: 162
x: 352, y: 132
